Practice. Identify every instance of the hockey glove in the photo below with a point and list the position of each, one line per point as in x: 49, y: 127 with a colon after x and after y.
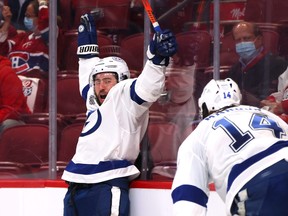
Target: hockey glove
x: 87, y: 37
x: 162, y: 47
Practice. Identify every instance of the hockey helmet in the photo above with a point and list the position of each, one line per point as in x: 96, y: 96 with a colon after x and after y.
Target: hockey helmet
x: 218, y: 94
x: 111, y: 64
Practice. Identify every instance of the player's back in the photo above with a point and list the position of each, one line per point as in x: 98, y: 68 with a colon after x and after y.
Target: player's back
x: 234, y: 135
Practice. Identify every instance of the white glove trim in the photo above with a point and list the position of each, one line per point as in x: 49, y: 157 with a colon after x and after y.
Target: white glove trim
x: 88, y: 49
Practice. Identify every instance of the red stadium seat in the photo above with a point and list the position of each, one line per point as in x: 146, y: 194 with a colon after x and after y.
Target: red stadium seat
x: 23, y: 149
x: 70, y: 58
x: 176, y: 17
x: 271, y: 40
x: 164, y: 139
x: 224, y: 72
x: 228, y: 55
x: 132, y: 51
x: 27, y: 144
x: 65, y: 13
x: 109, y: 50
x: 116, y: 13
x: 67, y: 146
x: 194, y: 47
x: 69, y: 101
x: 262, y: 11
x: 68, y: 141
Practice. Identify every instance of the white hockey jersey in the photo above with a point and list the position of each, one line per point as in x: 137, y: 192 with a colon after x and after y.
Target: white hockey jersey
x: 109, y: 142
x: 227, y: 148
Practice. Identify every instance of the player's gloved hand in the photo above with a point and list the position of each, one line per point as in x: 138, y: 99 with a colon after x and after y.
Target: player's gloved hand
x: 87, y: 37
x: 162, y: 47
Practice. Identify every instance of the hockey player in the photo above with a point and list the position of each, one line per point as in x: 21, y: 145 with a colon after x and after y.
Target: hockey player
x: 243, y: 150
x: 117, y: 116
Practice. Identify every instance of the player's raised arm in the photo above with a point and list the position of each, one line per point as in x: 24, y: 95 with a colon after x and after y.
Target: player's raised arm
x: 150, y: 83
x: 87, y: 51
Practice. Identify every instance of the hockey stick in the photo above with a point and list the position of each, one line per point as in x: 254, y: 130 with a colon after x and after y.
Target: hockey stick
x: 152, y: 18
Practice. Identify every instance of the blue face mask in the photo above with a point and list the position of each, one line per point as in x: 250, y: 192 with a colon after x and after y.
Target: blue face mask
x: 28, y: 22
x: 246, y: 50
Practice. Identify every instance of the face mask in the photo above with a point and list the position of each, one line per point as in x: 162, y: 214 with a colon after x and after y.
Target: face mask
x: 28, y: 22
x: 245, y: 49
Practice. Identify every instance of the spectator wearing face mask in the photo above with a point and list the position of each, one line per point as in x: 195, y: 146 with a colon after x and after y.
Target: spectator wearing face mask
x: 18, y: 9
x: 29, y: 49
x: 258, y: 70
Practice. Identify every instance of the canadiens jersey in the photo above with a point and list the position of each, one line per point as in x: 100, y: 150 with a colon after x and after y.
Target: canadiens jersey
x: 109, y: 142
x: 227, y: 148
x: 29, y: 50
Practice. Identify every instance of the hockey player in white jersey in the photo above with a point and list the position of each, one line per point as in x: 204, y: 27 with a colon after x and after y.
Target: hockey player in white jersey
x: 117, y: 116
x: 243, y: 150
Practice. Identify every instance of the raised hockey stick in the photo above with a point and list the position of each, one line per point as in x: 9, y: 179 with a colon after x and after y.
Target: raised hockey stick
x: 151, y: 16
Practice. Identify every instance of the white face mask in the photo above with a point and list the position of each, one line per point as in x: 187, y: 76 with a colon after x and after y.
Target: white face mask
x: 246, y: 50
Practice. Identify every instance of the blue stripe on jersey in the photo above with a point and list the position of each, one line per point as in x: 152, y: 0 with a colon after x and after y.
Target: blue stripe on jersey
x: 190, y: 193
x: 239, y: 168
x: 95, y: 127
x: 88, y: 169
x: 133, y: 94
x: 85, y: 92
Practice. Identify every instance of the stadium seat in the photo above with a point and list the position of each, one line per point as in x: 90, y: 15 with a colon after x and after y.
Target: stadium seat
x: 67, y: 146
x: 194, y: 47
x: 69, y: 101
x: 164, y: 139
x: 70, y: 58
x: 109, y: 50
x: 68, y: 141
x: 65, y: 13
x: 271, y: 40
x: 116, y: 13
x: 261, y: 11
x: 35, y: 90
x: 132, y: 51
x: 224, y: 72
x: 228, y: 55
x: 26, y: 144
x: 176, y: 17
x: 35, y: 73
x: 23, y: 150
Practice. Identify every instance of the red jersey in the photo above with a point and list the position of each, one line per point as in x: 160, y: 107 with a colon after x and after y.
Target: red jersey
x: 12, y: 99
x: 29, y: 50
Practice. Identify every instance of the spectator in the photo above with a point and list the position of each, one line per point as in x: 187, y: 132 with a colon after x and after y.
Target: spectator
x: 117, y: 118
x: 241, y: 149
x: 277, y: 102
x: 27, y: 50
x: 12, y: 100
x: 258, y: 70
x: 18, y: 9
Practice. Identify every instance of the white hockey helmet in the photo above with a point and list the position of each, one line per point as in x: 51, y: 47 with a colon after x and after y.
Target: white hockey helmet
x: 111, y: 64
x: 218, y: 94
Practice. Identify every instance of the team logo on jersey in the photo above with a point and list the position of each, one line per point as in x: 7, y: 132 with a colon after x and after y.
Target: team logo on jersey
x: 27, y: 44
x: 27, y: 87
